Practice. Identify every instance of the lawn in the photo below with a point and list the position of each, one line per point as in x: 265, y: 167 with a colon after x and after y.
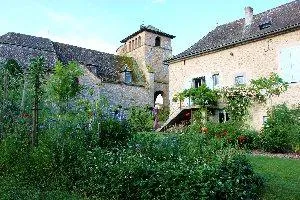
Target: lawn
x: 282, y: 176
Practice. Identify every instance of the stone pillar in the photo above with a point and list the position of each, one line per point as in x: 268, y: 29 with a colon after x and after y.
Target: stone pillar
x: 151, y: 87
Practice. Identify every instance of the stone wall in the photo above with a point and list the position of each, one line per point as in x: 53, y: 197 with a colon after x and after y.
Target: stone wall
x: 117, y: 94
x: 253, y: 60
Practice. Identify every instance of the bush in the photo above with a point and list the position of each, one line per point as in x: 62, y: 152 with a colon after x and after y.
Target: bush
x: 140, y: 119
x: 232, y: 133
x: 153, y: 166
x: 281, y: 132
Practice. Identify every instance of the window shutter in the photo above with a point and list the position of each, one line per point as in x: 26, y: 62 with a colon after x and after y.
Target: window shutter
x: 285, y: 65
x: 187, y: 85
x: 209, y: 81
x: 295, y: 64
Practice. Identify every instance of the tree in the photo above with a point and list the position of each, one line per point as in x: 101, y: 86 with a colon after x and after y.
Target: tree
x: 36, y: 76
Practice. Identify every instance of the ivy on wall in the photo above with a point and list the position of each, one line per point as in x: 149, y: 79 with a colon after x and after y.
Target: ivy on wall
x: 138, y: 76
x: 238, y: 98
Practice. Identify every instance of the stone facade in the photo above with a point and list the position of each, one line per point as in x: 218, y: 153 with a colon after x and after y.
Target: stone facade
x: 117, y: 94
x: 252, y: 60
x: 150, y: 48
x: 102, y: 71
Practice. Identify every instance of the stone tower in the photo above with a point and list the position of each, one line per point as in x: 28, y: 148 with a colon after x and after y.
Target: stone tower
x: 150, y: 47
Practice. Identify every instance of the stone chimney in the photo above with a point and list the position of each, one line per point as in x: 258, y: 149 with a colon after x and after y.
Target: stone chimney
x: 248, y: 15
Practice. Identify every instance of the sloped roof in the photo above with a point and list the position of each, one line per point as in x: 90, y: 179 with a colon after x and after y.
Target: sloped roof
x: 283, y: 18
x: 150, y: 29
x: 23, y: 48
x: 106, y: 64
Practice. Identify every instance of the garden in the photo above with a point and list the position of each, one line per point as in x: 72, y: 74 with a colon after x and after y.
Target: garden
x: 57, y: 142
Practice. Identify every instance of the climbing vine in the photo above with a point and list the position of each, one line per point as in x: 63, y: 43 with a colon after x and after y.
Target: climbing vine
x: 240, y: 98
x: 138, y: 76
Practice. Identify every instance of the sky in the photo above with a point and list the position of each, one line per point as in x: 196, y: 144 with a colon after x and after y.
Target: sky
x: 102, y: 24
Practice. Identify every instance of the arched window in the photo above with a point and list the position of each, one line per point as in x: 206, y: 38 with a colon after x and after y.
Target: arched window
x: 139, y: 41
x: 129, y: 46
x: 157, y: 41
x: 136, y: 43
x: 132, y: 44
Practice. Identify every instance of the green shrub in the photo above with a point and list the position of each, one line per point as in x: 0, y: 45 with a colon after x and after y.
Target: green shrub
x: 232, y: 133
x: 281, y: 132
x: 140, y: 119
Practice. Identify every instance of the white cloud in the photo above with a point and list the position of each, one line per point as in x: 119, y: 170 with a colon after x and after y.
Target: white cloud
x: 87, y: 41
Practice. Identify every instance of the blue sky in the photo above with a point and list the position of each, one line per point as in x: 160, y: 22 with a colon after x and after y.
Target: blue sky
x: 101, y: 24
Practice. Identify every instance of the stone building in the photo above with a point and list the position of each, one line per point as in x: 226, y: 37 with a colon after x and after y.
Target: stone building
x: 134, y: 77
x: 237, y: 52
x: 117, y: 78
x: 150, y: 47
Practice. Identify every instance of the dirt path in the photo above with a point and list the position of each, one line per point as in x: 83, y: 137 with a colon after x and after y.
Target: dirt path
x: 278, y: 155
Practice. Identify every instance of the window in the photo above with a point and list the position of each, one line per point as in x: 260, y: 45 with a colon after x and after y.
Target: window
x: 239, y: 80
x: 265, y: 119
x: 265, y: 25
x: 132, y: 45
x: 157, y: 41
x: 290, y: 64
x: 215, y: 79
x: 128, y: 77
x: 223, y: 116
x: 139, y: 41
x: 129, y: 46
x: 136, y: 43
x: 199, y: 81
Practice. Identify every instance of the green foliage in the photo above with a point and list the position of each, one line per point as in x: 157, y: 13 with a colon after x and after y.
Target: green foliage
x: 281, y: 132
x: 232, y: 133
x: 11, y: 100
x: 269, y: 86
x: 201, y: 96
x: 63, y: 83
x: 140, y: 119
x: 138, y: 76
x: 240, y: 98
x: 163, y: 114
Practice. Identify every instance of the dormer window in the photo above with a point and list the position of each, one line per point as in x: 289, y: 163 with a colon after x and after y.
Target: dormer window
x: 265, y: 25
x: 157, y: 41
x: 127, y: 75
x: 239, y: 80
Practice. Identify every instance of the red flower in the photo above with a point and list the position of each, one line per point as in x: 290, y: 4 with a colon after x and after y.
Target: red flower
x: 25, y: 115
x: 204, y: 129
x: 242, y: 139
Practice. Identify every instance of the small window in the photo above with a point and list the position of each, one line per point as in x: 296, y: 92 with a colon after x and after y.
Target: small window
x: 215, y: 79
x: 223, y: 116
x: 265, y: 25
x: 157, y: 41
x: 136, y: 43
x: 129, y: 48
x: 265, y: 119
x: 239, y: 80
x: 132, y: 45
x: 128, y: 77
x: 139, y: 41
x: 199, y: 81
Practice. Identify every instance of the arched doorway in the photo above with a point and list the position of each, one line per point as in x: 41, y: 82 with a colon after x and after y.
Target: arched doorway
x: 158, y: 98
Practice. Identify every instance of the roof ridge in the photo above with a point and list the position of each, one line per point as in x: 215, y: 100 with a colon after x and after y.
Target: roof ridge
x: 284, y: 17
x: 72, y: 45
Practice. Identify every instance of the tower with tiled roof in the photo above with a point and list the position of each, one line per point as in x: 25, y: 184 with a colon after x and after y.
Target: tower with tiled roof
x: 150, y: 47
